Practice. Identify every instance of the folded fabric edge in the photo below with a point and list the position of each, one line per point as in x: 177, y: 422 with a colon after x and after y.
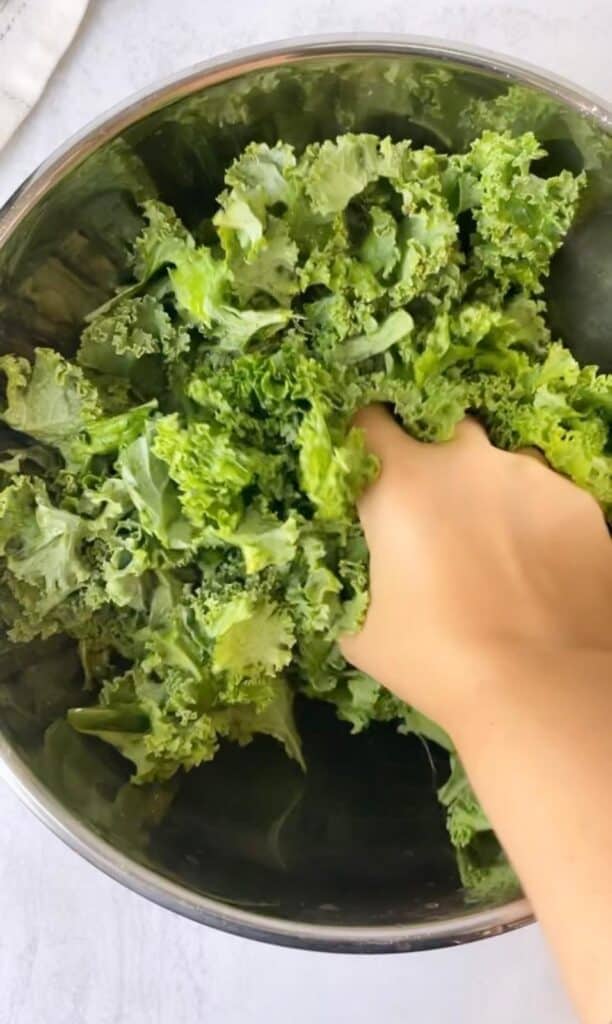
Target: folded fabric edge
x: 23, y: 34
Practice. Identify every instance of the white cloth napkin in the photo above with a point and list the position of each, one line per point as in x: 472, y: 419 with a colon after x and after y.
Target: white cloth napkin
x: 33, y: 36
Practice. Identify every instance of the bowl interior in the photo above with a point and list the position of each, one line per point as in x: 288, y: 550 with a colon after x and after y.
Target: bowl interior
x: 359, y: 840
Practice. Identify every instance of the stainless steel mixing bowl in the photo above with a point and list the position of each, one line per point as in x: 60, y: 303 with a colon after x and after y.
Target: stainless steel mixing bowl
x: 352, y: 856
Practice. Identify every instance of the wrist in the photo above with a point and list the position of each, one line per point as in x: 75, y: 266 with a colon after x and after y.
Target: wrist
x: 517, y: 692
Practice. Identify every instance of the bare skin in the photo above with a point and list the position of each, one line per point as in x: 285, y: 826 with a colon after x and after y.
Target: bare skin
x: 491, y: 582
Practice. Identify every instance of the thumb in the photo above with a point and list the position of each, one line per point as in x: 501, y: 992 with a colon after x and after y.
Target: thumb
x: 383, y: 436
x: 393, y: 447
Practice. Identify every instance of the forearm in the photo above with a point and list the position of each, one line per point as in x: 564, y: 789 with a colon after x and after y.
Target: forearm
x: 474, y: 550
x: 537, y: 745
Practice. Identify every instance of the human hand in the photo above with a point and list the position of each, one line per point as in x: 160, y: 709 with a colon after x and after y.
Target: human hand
x: 478, y: 558
x: 491, y: 592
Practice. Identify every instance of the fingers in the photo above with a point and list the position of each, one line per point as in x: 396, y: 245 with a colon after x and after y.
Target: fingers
x: 349, y: 645
x: 471, y: 432
x: 392, y: 446
x: 382, y: 434
x: 533, y: 453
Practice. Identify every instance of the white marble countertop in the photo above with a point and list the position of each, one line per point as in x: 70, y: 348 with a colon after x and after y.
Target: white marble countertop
x: 75, y: 947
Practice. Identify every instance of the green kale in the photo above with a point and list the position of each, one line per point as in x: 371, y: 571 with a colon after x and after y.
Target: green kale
x: 181, y: 497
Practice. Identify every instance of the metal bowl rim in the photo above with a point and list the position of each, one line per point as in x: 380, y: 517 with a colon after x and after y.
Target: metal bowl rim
x: 64, y: 823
